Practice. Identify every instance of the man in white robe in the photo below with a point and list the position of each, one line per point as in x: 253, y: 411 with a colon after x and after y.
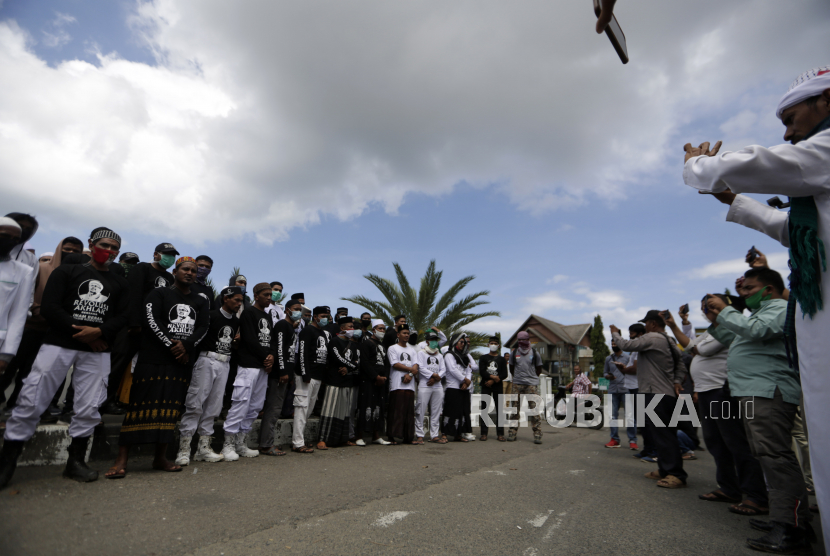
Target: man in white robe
x: 801, y: 169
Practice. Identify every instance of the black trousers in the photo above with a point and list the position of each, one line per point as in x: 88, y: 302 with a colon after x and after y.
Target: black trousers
x: 21, y: 364
x: 495, y: 391
x: 648, y: 445
x: 125, y: 348
x: 669, y: 460
x: 738, y: 472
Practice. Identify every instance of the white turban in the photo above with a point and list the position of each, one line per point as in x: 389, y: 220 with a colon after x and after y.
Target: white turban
x: 809, y: 84
x: 6, y: 221
x: 376, y: 322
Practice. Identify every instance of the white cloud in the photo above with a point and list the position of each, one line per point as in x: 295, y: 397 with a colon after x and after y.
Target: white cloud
x: 557, y: 279
x: 271, y: 115
x: 737, y: 267
x: 55, y: 35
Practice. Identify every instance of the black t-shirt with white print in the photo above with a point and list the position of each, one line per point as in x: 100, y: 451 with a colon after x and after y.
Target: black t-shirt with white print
x: 373, y: 360
x: 343, y: 353
x: 283, y: 339
x: 221, y: 333
x: 143, y: 279
x: 255, y: 337
x: 79, y: 295
x: 171, y: 315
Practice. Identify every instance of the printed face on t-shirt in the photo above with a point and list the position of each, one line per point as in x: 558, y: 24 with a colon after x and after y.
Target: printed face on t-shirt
x: 160, y: 282
x: 91, y: 303
x: 225, y: 339
x: 405, y: 357
x: 264, y: 332
x: 181, y: 321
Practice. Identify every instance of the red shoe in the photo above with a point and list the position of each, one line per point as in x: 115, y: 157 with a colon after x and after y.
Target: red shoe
x: 633, y: 446
x: 613, y: 444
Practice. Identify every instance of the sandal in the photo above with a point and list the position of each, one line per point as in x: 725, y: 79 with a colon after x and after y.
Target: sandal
x: 461, y: 439
x: 303, y: 450
x: 170, y: 468
x: 501, y: 439
x: 322, y: 446
x: 439, y: 440
x: 272, y: 451
x: 483, y: 438
x: 689, y: 456
x: 670, y: 481
x: 748, y: 510
x: 655, y: 475
x: 116, y: 472
x: 418, y: 441
x: 718, y: 496
x: 350, y: 443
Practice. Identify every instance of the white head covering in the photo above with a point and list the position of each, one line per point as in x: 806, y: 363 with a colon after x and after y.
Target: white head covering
x: 809, y: 84
x: 6, y: 221
x: 47, y: 254
x: 376, y: 322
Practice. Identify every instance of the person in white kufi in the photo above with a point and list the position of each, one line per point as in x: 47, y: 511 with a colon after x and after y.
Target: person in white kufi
x: 801, y: 171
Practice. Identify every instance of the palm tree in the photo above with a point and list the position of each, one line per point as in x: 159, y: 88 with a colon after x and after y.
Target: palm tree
x: 424, y: 308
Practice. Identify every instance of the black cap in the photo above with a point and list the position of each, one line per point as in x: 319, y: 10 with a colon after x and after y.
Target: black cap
x: 345, y: 320
x: 339, y: 309
x: 230, y: 290
x: 129, y: 258
x: 403, y: 327
x: 654, y: 315
x: 320, y: 310
x: 291, y: 303
x: 297, y: 296
x: 166, y: 248
x: 430, y: 335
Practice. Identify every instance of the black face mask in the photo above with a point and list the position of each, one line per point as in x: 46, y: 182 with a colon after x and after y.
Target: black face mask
x: 366, y: 323
x: 616, y: 349
x: 7, y: 243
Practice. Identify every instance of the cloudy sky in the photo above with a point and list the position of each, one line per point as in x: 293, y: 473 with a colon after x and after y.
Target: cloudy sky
x: 314, y: 142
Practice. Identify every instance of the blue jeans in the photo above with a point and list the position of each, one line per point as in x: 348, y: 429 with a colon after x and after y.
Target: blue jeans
x: 616, y: 399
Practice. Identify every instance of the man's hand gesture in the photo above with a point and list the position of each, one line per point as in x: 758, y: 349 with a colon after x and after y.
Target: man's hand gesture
x: 702, y: 150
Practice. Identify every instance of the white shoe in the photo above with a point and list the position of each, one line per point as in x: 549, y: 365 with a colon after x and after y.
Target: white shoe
x: 183, y: 457
x: 228, y: 452
x: 241, y: 446
x: 205, y: 453
x: 381, y: 441
x: 469, y: 436
x: 360, y: 442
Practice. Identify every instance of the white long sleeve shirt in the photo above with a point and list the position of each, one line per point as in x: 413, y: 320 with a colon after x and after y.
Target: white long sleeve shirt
x: 16, y: 290
x: 429, y: 364
x: 406, y: 356
x: 455, y: 372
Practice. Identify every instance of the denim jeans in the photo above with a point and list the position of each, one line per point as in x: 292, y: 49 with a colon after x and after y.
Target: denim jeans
x: 616, y: 399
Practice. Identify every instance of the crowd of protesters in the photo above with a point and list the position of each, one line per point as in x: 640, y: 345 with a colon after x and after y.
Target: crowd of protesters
x: 158, y: 346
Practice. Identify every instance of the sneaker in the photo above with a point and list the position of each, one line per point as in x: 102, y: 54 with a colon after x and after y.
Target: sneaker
x: 380, y: 441
x: 633, y: 446
x: 360, y: 442
x: 648, y: 459
x: 613, y: 444
x: 469, y: 436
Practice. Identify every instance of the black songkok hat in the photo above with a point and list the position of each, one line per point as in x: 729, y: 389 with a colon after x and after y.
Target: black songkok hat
x: 494, y: 339
x: 320, y: 310
x: 403, y: 327
x: 298, y: 296
x: 345, y: 320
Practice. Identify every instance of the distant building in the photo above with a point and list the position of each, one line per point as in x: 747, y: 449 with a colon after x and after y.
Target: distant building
x: 560, y: 346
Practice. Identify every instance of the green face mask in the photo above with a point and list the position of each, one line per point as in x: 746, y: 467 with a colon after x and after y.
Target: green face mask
x: 276, y: 295
x: 754, y: 301
x: 167, y: 261
x: 433, y: 344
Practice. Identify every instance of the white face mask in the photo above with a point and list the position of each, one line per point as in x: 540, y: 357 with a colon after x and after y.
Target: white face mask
x: 348, y: 333
x: 379, y: 335
x: 494, y: 347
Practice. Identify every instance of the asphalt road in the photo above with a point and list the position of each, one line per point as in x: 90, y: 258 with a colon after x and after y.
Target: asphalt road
x: 567, y: 496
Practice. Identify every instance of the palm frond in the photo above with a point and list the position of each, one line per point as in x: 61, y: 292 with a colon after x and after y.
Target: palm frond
x: 448, y: 297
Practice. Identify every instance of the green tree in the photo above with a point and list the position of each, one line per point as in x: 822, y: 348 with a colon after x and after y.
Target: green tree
x: 424, y: 307
x: 599, y: 347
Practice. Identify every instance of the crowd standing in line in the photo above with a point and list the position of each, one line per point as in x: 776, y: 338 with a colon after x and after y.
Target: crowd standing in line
x: 185, y: 356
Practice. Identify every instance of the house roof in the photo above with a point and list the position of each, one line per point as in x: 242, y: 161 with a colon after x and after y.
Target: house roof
x: 571, y: 334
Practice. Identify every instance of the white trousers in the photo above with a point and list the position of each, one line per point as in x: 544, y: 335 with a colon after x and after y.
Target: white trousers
x: 204, y: 396
x: 92, y: 371
x: 247, y: 400
x: 305, y: 395
x: 434, y: 399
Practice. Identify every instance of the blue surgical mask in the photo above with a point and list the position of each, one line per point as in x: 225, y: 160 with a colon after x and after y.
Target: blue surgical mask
x: 296, y: 315
x: 358, y: 333
x: 324, y: 322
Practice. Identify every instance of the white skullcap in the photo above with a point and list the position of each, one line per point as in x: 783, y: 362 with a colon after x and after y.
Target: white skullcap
x: 47, y: 254
x: 376, y: 322
x: 809, y: 84
x: 6, y: 221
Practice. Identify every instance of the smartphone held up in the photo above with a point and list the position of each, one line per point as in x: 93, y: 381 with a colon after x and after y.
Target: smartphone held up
x: 615, y: 33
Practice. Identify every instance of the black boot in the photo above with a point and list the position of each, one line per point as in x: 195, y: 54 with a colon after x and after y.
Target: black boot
x: 8, y: 460
x: 76, y: 469
x: 782, y: 539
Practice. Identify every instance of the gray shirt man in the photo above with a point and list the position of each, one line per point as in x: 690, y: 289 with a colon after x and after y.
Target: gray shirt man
x: 657, y: 370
